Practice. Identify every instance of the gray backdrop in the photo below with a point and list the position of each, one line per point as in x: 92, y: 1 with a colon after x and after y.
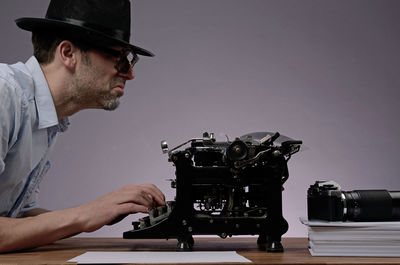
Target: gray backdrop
x: 325, y: 72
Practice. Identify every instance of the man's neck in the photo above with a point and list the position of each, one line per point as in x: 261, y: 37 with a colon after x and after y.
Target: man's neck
x: 59, y: 82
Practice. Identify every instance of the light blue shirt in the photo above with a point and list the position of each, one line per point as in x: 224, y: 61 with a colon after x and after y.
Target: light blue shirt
x: 28, y: 129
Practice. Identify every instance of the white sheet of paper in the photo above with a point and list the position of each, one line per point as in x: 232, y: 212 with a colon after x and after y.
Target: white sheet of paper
x: 158, y: 257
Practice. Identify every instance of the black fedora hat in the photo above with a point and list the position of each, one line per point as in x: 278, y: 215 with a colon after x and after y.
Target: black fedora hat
x: 101, y: 22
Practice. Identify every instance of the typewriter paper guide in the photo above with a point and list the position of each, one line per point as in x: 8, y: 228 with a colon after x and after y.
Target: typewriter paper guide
x: 159, y: 257
x: 257, y: 136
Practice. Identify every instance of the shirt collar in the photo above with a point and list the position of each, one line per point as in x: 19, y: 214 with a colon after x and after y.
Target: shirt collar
x: 47, y: 115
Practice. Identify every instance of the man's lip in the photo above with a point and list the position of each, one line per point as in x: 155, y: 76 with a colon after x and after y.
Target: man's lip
x: 122, y: 86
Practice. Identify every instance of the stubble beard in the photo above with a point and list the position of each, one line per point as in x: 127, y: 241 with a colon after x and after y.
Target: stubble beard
x: 111, y: 103
x: 86, y: 90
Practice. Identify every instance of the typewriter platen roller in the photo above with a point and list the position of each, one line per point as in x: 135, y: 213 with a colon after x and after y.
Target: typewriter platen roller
x: 224, y: 188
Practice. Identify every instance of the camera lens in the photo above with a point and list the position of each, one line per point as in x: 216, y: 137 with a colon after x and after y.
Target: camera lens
x: 371, y: 205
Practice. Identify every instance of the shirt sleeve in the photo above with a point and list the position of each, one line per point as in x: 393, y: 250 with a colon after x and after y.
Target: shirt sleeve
x: 5, y: 121
x: 32, y: 201
x: 10, y: 110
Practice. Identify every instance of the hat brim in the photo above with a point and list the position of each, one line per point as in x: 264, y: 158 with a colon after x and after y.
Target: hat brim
x: 78, y: 32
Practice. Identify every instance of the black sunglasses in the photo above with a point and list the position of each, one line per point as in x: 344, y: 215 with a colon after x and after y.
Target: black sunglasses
x: 126, y: 58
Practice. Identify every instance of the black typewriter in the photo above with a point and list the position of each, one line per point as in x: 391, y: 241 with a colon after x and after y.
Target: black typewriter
x: 224, y: 188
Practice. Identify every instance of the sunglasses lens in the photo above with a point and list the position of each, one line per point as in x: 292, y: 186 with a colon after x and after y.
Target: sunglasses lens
x: 126, y: 62
x: 130, y: 57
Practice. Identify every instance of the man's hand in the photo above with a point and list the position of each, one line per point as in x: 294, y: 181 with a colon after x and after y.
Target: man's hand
x: 47, y: 227
x: 129, y: 199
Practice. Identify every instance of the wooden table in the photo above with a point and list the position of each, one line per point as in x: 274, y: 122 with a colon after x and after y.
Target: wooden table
x: 296, y: 251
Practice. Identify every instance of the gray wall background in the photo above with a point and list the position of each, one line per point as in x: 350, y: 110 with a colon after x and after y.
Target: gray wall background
x: 325, y: 72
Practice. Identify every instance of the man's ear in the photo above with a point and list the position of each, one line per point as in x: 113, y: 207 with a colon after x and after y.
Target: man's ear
x: 67, y: 54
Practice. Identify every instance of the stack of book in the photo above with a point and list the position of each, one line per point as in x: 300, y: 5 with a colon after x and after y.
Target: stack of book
x: 374, y: 239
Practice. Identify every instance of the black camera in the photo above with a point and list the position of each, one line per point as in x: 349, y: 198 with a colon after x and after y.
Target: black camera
x: 326, y: 201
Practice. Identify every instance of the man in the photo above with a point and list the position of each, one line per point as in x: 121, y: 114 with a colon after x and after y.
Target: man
x: 82, y: 59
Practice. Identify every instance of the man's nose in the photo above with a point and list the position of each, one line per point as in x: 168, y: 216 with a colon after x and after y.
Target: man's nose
x: 129, y: 75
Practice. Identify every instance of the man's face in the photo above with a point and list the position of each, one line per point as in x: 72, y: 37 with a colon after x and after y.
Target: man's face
x: 97, y: 83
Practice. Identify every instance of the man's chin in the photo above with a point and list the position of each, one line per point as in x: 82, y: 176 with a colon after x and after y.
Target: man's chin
x: 111, y: 104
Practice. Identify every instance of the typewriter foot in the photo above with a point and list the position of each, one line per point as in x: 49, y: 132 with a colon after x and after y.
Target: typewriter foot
x: 267, y: 245
x: 274, y: 246
x: 262, y: 241
x: 185, y: 244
